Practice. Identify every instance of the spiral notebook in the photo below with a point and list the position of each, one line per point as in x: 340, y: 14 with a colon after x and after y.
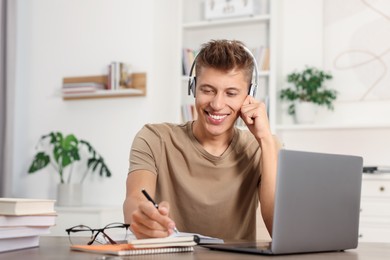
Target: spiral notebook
x: 143, y: 246
x: 128, y: 249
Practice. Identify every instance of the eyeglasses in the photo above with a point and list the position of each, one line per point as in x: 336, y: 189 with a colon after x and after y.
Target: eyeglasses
x: 113, y: 233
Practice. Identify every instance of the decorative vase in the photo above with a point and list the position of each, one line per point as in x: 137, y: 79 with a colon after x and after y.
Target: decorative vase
x: 69, y: 194
x: 305, y: 112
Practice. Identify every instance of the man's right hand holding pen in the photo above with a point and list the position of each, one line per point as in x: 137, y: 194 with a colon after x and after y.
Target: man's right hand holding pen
x: 152, y: 219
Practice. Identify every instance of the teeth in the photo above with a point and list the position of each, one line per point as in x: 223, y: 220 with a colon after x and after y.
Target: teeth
x: 216, y: 117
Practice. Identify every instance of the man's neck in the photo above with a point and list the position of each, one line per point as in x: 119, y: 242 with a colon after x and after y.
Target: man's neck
x: 213, y: 144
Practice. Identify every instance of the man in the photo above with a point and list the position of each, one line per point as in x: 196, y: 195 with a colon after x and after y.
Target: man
x: 208, y: 175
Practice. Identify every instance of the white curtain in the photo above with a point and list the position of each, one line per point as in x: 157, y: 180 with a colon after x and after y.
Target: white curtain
x: 7, y: 64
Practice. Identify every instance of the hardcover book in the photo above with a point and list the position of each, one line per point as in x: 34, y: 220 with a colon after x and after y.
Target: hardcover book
x: 20, y: 206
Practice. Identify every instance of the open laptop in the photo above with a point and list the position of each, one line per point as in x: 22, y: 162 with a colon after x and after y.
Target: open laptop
x: 317, y: 205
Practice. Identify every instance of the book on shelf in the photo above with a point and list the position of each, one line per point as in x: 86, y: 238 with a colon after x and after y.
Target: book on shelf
x: 261, y: 55
x: 27, y: 220
x: 81, y: 87
x: 76, y: 85
x: 265, y: 63
x: 24, y: 206
x: 119, y: 75
x: 189, y: 112
x: 187, y: 59
x: 16, y: 243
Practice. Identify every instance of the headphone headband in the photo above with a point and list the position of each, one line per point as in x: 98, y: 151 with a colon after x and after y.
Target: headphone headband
x: 252, y: 89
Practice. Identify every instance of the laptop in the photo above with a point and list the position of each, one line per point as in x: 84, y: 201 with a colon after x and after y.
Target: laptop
x: 317, y: 205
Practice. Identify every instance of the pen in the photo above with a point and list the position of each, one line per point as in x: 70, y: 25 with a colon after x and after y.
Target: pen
x: 146, y: 194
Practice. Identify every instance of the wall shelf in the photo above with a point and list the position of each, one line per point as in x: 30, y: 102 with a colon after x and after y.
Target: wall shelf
x: 104, y: 94
x: 138, y: 88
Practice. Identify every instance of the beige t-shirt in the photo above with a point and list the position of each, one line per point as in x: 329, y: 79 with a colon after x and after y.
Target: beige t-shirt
x: 211, y: 195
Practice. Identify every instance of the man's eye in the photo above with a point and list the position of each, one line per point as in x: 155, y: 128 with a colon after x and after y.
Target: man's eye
x: 231, y: 94
x: 207, y: 91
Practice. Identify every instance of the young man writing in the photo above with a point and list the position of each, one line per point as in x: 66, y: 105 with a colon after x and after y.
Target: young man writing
x: 208, y: 175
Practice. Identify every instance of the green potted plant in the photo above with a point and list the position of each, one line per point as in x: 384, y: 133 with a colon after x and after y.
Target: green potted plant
x: 306, y: 90
x: 62, y: 153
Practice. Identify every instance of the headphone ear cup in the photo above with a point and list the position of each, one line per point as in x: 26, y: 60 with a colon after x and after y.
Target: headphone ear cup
x: 252, y: 90
x: 192, y: 86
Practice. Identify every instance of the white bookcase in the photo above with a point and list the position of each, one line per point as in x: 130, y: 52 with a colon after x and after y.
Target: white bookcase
x: 254, y: 31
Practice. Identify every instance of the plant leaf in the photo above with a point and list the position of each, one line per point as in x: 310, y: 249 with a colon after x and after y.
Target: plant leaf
x: 66, y: 150
x: 41, y: 160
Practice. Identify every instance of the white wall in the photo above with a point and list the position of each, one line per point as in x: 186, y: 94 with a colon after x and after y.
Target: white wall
x: 62, y: 38
x: 359, y: 128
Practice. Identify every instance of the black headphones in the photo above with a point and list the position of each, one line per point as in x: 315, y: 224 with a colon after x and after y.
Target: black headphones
x: 252, y: 88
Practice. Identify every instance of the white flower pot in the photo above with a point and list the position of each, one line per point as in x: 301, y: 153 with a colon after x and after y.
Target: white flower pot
x: 305, y: 112
x: 69, y: 194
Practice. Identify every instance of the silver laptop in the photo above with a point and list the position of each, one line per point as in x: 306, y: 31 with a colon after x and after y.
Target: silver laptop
x: 317, y: 204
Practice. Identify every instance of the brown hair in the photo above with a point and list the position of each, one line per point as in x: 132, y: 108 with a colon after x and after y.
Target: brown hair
x: 225, y: 55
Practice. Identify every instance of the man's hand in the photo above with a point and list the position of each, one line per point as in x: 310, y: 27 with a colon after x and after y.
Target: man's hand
x: 254, y: 114
x: 148, y: 221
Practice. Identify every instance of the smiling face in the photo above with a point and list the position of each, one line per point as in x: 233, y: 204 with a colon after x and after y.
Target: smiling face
x: 219, y: 97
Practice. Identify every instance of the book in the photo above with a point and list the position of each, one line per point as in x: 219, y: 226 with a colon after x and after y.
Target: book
x: 93, y: 85
x: 81, y: 87
x: 200, y: 239
x: 128, y: 249
x: 27, y: 220
x: 176, y: 239
x: 12, y: 232
x: 171, y: 241
x: 16, y: 243
x: 21, y: 206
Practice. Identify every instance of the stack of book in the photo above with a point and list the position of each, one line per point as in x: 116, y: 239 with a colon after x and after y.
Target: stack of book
x: 22, y: 221
x: 81, y: 87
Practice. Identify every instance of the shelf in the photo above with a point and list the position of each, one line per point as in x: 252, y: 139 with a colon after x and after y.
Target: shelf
x: 330, y: 127
x: 224, y: 22
x: 105, y: 94
x: 138, y: 88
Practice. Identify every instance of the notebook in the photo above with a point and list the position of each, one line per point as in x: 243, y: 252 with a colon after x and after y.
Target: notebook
x: 317, y: 204
x: 200, y: 239
x: 143, y: 246
x: 128, y: 249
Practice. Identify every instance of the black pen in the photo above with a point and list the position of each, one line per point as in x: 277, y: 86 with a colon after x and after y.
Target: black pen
x: 155, y: 204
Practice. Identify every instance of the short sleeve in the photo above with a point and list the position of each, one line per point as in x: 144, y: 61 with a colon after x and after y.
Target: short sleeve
x: 144, y: 153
